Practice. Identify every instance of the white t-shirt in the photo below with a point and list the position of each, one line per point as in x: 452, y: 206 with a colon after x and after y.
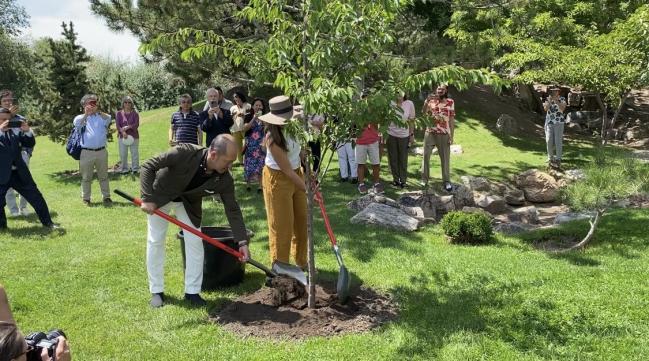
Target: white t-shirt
x: 293, y: 155
x: 407, y: 112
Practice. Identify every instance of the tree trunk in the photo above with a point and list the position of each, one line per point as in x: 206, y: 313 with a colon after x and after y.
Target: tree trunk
x: 602, y: 106
x: 307, y: 172
x: 617, y: 113
x: 591, y: 232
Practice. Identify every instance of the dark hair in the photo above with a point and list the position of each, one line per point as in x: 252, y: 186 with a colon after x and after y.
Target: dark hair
x: 219, y: 89
x: 241, y: 96
x: 276, y: 135
x: 11, y: 341
x: 445, y: 96
x: 251, y: 112
x: 6, y: 93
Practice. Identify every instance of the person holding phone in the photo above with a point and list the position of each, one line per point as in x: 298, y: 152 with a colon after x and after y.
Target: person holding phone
x: 214, y: 120
x: 8, y: 101
x: 127, y: 122
x: 14, y: 172
x: 254, y: 150
x: 239, y: 111
x: 555, y: 106
x: 94, y: 155
x: 439, y: 134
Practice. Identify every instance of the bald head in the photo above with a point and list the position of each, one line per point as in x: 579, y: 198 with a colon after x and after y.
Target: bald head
x: 224, y: 144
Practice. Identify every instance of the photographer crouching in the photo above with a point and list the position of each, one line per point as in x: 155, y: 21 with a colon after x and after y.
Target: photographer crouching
x: 35, y: 347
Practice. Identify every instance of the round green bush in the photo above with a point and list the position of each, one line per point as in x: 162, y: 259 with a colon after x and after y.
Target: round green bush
x: 469, y: 228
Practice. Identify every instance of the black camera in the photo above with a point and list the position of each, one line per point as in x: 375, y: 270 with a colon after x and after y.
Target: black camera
x: 39, y: 341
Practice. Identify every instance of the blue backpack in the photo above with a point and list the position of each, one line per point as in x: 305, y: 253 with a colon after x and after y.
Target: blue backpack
x: 73, y: 146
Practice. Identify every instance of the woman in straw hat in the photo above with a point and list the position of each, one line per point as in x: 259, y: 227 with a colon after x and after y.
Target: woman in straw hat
x: 284, y: 187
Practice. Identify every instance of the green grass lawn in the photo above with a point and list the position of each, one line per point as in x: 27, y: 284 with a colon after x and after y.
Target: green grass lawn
x: 504, y: 301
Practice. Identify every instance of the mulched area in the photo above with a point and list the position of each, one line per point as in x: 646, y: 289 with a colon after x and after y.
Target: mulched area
x: 280, y: 312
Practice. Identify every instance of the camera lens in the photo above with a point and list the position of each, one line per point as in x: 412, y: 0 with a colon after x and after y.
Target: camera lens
x: 55, y: 333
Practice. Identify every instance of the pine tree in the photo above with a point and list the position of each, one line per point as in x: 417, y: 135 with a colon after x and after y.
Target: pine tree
x: 68, y: 77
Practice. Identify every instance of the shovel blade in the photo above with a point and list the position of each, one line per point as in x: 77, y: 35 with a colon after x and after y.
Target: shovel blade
x: 342, y: 286
x: 290, y: 270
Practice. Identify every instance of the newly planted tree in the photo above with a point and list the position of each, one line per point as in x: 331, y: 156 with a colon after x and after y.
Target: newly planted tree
x: 320, y: 53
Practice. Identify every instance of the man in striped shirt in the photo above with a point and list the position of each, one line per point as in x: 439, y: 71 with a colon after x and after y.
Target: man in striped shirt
x: 185, y: 124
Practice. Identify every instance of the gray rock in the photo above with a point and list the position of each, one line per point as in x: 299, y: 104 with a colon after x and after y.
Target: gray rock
x: 479, y: 184
x: 456, y: 149
x: 582, y: 117
x: 537, y: 186
x: 528, y: 215
x: 411, y: 199
x: 462, y: 196
x: 622, y: 203
x: 642, y: 155
x: 574, y: 127
x: 506, y: 124
x: 570, y: 216
x: 360, y: 203
x: 386, y: 216
x: 491, y: 203
x: 514, y: 196
x: 445, y: 204
x: 511, y: 228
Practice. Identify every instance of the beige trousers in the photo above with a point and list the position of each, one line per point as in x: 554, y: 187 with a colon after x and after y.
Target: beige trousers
x: 443, y: 149
x: 89, y: 162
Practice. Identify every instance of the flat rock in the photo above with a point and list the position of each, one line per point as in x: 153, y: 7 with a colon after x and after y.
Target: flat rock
x: 514, y: 196
x: 528, y: 215
x: 570, y: 216
x: 511, y: 228
x: 386, y: 216
x: 491, y: 203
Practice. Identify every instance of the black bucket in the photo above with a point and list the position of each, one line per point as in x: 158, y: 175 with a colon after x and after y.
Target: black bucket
x: 220, y: 269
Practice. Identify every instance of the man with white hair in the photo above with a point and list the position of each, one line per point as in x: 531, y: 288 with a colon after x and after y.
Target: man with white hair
x: 215, y: 119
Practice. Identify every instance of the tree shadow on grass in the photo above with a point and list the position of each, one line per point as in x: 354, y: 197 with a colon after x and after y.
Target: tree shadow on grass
x: 436, y: 307
x: 72, y: 176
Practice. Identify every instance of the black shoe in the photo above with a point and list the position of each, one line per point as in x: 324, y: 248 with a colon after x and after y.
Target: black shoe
x: 86, y: 202
x: 108, y: 201
x: 52, y: 226
x: 157, y: 300
x: 195, y: 299
x: 396, y: 183
x: 354, y: 181
x: 343, y: 180
x: 402, y: 185
x: 180, y: 235
x: 448, y: 187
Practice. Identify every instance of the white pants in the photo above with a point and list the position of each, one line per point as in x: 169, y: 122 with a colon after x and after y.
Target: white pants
x: 12, y: 194
x: 155, y: 251
x: 123, y: 155
x: 346, y: 157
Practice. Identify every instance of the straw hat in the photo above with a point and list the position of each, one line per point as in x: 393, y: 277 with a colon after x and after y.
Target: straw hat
x: 129, y: 140
x: 281, y: 110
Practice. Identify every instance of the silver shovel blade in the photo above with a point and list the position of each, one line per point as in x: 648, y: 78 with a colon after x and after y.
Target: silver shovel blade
x: 289, y: 270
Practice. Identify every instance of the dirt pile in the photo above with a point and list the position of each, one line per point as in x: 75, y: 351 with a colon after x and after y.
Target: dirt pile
x: 281, y: 312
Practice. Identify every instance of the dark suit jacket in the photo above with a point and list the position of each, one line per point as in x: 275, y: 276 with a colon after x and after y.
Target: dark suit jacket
x: 10, y: 147
x: 165, y: 178
x: 215, y: 126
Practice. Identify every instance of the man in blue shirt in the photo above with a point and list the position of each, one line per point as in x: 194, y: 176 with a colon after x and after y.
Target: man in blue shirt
x: 94, y: 155
x: 185, y: 124
x: 14, y: 172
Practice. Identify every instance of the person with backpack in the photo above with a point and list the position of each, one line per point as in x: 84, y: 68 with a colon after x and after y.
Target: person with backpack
x: 93, y: 125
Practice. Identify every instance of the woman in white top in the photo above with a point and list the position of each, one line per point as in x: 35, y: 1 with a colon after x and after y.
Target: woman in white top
x: 399, y: 135
x: 239, y: 111
x: 284, y: 187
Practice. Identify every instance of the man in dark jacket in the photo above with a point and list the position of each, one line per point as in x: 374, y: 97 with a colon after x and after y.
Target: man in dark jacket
x: 14, y: 172
x: 178, y: 180
x: 215, y: 119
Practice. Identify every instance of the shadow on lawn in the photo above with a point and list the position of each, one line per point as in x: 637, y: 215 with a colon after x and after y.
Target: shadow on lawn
x: 436, y: 307
x: 72, y: 176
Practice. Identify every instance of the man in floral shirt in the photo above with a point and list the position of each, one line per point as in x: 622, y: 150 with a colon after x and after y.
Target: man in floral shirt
x: 554, y: 122
x: 439, y: 134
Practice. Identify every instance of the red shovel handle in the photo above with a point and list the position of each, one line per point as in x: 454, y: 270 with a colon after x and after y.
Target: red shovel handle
x: 208, y: 239
x: 318, y: 197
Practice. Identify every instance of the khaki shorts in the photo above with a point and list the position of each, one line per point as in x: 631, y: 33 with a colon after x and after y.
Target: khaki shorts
x: 365, y: 151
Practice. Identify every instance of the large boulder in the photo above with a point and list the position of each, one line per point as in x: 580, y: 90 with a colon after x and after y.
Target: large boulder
x: 361, y: 203
x: 386, y: 216
x: 582, y: 117
x: 537, y: 186
x: 491, y: 203
x: 511, y: 228
x: 462, y: 196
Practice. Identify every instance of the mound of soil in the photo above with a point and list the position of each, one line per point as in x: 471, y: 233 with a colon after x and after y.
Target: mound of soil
x: 280, y: 311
